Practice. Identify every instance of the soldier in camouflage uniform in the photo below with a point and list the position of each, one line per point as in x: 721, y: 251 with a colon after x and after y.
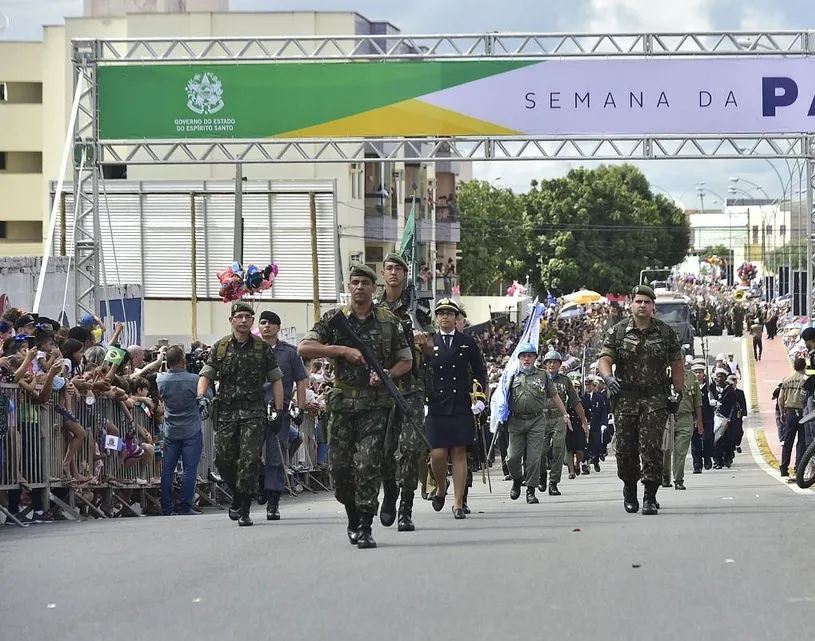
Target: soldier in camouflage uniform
x: 405, y: 445
x: 642, y: 347
x: 558, y: 423
x: 242, y: 363
x: 358, y: 404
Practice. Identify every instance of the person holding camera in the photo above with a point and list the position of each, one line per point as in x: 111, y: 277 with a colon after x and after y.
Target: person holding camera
x: 242, y: 364
x: 183, y: 437
x: 643, y: 348
x: 273, y: 475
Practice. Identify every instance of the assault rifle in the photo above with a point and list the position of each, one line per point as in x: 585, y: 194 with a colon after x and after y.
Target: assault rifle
x: 340, y: 323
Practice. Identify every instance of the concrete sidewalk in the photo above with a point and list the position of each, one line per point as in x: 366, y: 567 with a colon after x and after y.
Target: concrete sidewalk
x: 766, y: 374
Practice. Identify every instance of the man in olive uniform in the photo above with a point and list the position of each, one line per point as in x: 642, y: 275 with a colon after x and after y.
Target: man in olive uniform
x: 690, y: 410
x: 642, y: 348
x: 558, y: 423
x: 242, y: 363
x: 401, y: 463
x: 530, y: 390
x: 358, y: 404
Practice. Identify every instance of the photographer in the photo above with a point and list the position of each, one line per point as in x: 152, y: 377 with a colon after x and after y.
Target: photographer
x: 184, y: 438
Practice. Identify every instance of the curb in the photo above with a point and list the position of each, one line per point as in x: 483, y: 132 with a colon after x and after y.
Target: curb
x: 765, y: 450
x: 761, y: 437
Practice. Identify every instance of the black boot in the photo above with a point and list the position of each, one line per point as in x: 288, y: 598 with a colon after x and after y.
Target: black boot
x: 235, y: 508
x: 405, y: 523
x: 387, y: 511
x: 273, y: 508
x: 364, y: 537
x: 649, y: 499
x: 515, y: 492
x: 245, y: 520
x: 630, y: 501
x: 530, y: 496
x: 553, y: 491
x: 353, y: 523
x: 262, y: 494
x: 542, y: 485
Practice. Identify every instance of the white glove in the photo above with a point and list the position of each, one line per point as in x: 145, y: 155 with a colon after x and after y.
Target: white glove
x: 478, y: 407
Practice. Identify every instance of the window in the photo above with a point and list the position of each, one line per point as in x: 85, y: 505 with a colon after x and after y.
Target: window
x: 782, y: 231
x: 3, y: 92
x: 2, y: 160
x: 2, y: 228
x: 769, y: 230
x: 755, y: 234
x: 114, y: 172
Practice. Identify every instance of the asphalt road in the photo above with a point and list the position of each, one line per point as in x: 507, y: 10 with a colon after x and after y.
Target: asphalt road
x: 728, y: 558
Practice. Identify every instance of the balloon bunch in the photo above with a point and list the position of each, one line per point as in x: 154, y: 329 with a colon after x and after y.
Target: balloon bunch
x: 747, y: 272
x: 237, y: 281
x: 717, y: 261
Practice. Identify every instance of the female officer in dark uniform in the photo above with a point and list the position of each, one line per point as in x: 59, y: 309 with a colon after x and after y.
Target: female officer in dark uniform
x: 455, y: 363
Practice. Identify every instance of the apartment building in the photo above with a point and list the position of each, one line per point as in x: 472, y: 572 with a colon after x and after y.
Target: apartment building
x: 373, y: 198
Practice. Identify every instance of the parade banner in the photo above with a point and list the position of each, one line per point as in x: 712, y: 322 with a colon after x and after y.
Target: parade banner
x: 457, y: 98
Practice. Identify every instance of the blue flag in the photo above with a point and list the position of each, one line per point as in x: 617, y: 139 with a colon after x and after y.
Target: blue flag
x: 499, y: 403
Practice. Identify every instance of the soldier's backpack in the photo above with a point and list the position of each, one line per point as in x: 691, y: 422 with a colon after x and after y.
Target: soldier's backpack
x: 258, y: 349
x: 381, y: 315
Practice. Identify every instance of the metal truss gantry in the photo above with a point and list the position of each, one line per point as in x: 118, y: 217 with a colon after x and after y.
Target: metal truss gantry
x: 89, y: 54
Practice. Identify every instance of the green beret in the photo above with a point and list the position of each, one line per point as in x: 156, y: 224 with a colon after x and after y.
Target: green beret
x: 241, y: 306
x: 644, y: 290
x: 363, y: 271
x: 395, y: 258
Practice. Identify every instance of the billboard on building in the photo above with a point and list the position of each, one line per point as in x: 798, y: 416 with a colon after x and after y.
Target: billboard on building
x: 737, y: 95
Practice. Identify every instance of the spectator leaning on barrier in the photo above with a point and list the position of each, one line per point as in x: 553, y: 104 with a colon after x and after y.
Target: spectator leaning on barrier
x: 183, y: 436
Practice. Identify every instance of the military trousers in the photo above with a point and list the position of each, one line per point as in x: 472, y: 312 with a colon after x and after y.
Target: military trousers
x: 401, y: 461
x: 525, y: 447
x: 674, y: 460
x: 356, y: 455
x: 238, y: 439
x: 639, y: 433
x: 554, y: 448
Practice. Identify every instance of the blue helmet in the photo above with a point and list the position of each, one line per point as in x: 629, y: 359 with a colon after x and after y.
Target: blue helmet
x: 527, y: 348
x: 552, y: 355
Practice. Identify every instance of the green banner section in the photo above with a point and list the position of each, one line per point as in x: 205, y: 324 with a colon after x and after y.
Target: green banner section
x: 260, y: 100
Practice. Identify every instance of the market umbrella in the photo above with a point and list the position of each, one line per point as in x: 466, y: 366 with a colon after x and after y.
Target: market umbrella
x: 583, y: 297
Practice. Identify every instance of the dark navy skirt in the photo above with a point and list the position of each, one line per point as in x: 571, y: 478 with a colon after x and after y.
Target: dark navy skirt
x: 450, y: 431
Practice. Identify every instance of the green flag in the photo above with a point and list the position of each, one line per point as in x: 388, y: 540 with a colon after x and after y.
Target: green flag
x: 407, y: 250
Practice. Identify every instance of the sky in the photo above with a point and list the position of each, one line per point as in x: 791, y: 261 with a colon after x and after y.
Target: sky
x: 22, y: 20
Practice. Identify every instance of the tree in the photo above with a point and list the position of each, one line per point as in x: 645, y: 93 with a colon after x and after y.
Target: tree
x: 491, y: 237
x: 598, y: 228
x: 714, y: 250
x: 793, y: 254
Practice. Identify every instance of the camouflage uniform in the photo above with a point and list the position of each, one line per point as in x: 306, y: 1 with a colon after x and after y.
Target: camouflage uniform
x: 358, y: 413
x: 554, y: 438
x: 640, y: 409
x: 526, y: 426
x: 402, y: 458
x: 242, y: 369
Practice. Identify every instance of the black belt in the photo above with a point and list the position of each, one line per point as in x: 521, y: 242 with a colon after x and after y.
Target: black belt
x: 526, y: 416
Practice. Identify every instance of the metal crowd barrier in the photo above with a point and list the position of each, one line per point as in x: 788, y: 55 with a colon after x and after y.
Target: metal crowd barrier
x: 34, y: 445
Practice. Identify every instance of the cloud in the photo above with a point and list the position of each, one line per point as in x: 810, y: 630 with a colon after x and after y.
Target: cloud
x: 609, y: 16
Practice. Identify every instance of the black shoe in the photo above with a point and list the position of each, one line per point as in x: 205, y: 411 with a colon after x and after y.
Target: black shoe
x: 784, y: 471
x: 273, y: 508
x: 571, y: 475
x: 530, y: 496
x: 708, y: 464
x: 515, y: 492
x: 425, y: 496
x: 235, y: 508
x: 364, y: 537
x: 387, y: 511
x: 466, y: 509
x: 697, y: 470
x: 553, y: 491
x: 630, y: 501
x: 679, y: 485
x: 649, y: 499
x: 438, y: 502
x: 245, y: 519
x: 584, y: 469
x: 405, y: 522
x: 603, y: 457
x: 353, y: 524
x: 666, y: 481
x: 738, y: 449
x: 458, y: 513
x: 717, y: 466
x: 577, y: 471
x: 596, y: 466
